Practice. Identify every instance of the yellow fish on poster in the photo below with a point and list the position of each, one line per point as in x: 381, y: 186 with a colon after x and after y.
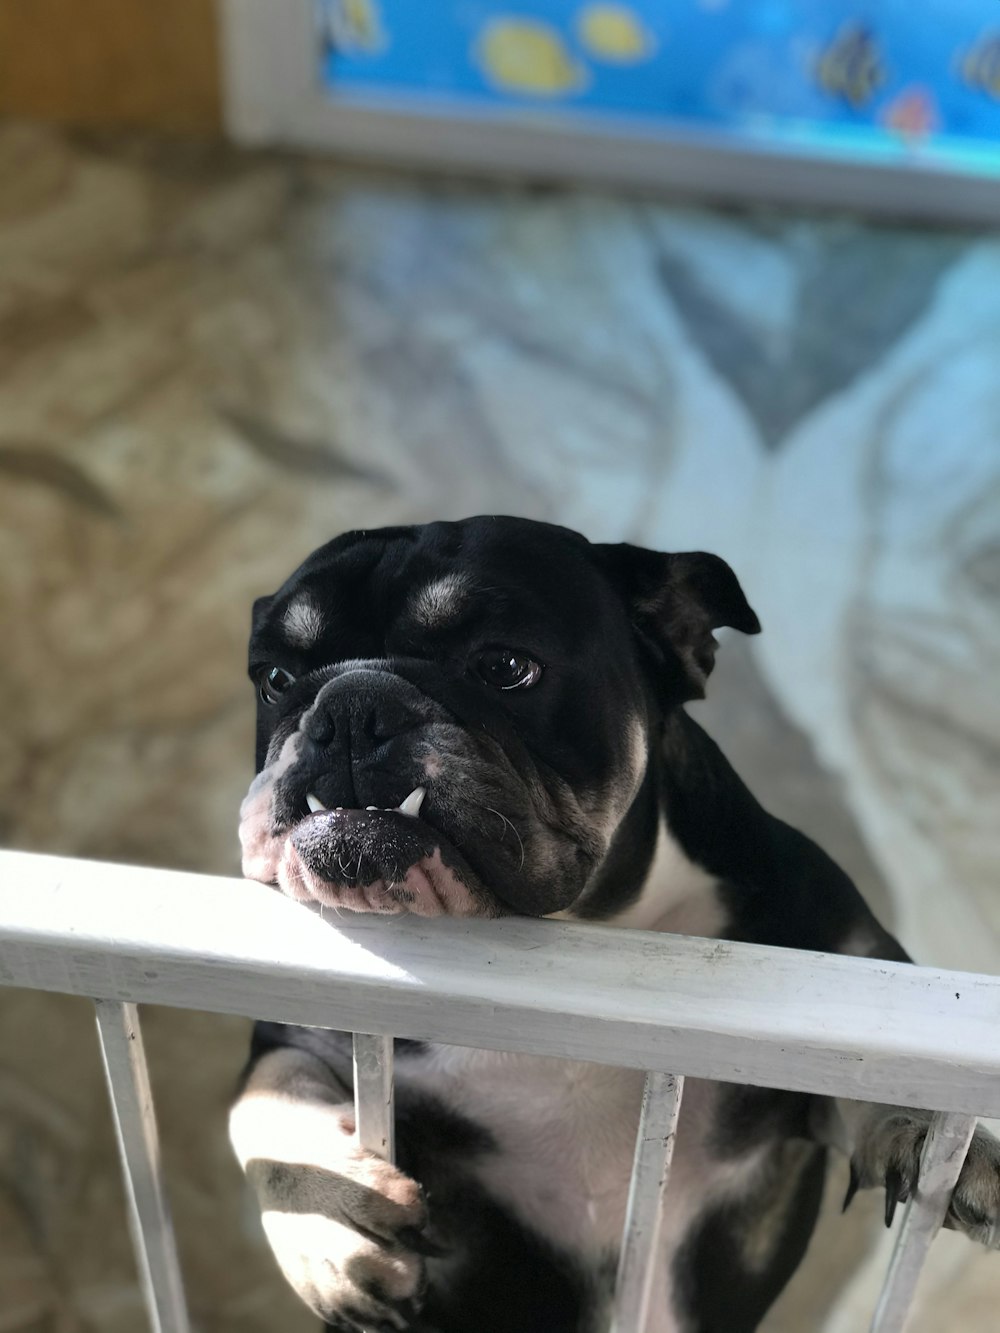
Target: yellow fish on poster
x: 615, y: 33
x: 355, y: 26
x: 851, y: 66
x: 980, y: 66
x: 526, y: 56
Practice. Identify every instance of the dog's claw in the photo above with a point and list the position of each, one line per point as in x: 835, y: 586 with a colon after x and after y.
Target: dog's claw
x: 895, y: 1192
x: 420, y: 1243
x: 853, y: 1186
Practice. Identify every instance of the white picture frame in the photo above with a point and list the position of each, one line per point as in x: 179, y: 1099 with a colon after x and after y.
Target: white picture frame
x: 274, y: 96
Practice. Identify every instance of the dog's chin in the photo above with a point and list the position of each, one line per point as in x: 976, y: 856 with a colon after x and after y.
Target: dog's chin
x: 366, y: 861
x: 377, y: 861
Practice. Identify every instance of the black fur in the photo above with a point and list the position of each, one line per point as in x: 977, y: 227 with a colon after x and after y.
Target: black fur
x: 625, y: 637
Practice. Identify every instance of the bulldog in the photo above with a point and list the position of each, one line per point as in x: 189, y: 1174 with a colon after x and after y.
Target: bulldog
x: 483, y: 718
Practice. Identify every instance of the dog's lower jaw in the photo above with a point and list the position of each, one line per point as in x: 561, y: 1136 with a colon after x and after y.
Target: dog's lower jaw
x: 426, y: 888
x: 382, y: 861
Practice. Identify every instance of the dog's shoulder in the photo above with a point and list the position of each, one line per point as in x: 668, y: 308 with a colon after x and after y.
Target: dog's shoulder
x: 771, y: 883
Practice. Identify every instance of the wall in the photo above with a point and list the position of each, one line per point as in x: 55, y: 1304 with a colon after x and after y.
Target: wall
x: 111, y: 63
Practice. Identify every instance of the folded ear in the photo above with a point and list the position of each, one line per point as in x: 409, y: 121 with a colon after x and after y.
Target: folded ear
x: 261, y: 607
x: 675, y: 601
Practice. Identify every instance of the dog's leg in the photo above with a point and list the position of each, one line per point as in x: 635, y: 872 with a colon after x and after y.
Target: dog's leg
x: 883, y: 1145
x: 346, y: 1227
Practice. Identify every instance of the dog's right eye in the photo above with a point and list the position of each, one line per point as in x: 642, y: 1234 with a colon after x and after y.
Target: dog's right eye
x: 505, y: 669
x: 272, y: 683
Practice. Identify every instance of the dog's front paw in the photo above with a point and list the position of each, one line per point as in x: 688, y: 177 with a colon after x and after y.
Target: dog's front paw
x: 351, y: 1242
x: 889, y: 1155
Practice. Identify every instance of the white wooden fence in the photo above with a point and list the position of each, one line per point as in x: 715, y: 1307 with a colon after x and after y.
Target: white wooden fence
x: 709, y: 1009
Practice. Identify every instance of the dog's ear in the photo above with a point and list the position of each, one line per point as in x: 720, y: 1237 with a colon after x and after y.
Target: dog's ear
x: 261, y: 607
x: 674, y: 602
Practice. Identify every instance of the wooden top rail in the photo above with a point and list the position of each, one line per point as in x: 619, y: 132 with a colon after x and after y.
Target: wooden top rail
x: 707, y: 1008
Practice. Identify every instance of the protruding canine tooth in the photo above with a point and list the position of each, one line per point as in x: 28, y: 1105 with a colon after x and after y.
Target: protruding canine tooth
x: 314, y: 803
x: 411, y: 806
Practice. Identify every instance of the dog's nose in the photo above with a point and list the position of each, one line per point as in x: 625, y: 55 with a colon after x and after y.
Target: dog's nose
x: 357, y: 715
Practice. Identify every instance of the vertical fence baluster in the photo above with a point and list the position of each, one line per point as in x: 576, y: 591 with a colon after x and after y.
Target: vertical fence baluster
x: 940, y: 1163
x: 654, y: 1148
x: 374, y: 1098
x: 139, y: 1147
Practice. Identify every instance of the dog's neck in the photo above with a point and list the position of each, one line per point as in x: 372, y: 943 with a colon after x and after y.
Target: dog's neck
x: 690, y: 824
x: 677, y: 895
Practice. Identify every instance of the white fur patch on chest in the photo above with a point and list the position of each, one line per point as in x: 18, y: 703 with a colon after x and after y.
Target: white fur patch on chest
x: 565, y: 1133
x: 565, y: 1130
x: 678, y: 896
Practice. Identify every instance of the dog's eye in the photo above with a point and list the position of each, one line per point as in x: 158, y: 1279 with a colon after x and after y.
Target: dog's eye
x: 506, y: 670
x: 273, y: 682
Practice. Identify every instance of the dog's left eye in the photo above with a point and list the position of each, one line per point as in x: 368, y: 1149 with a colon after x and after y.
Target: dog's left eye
x: 273, y: 682
x: 506, y: 670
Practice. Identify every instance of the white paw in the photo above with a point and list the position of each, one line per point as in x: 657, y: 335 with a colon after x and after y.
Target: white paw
x: 889, y: 1156
x: 351, y: 1241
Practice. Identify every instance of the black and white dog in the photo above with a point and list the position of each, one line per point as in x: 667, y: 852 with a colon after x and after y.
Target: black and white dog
x: 483, y: 718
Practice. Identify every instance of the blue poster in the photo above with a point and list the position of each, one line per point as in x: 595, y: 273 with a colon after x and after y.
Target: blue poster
x: 882, y: 78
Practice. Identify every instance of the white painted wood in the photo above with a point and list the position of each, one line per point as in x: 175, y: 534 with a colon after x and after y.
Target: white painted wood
x: 654, y: 1150
x: 274, y: 95
x: 270, y: 67
x: 374, y: 1100
x: 139, y: 1147
x: 708, y: 1008
x: 940, y: 1164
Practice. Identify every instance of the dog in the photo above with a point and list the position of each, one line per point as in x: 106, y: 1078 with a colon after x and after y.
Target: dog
x: 483, y: 718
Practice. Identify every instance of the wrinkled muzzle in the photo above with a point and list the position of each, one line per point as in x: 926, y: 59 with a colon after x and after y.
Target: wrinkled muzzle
x: 343, y: 811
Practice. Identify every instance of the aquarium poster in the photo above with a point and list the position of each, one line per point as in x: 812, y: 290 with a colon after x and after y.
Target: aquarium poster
x: 885, y: 79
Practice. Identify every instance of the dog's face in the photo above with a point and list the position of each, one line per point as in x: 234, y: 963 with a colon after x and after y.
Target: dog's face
x: 456, y: 718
